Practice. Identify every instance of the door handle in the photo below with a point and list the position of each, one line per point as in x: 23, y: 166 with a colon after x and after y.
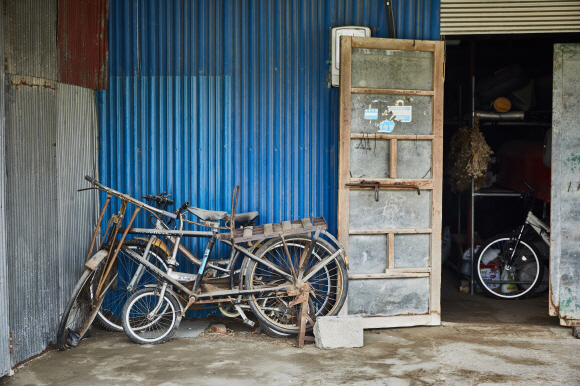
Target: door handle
x: 378, y: 185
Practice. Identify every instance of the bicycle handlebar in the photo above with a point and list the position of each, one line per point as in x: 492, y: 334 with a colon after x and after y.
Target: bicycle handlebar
x: 128, y: 198
x: 159, y: 199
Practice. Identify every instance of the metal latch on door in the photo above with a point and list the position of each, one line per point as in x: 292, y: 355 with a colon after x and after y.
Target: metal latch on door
x: 378, y: 185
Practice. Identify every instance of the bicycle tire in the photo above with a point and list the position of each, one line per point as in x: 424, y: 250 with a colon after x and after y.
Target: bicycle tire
x: 330, y: 284
x: 76, y: 313
x: 110, y: 312
x: 158, y: 329
x: 527, y: 271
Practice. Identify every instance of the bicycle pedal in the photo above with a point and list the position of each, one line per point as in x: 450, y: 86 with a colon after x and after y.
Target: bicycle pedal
x: 249, y: 322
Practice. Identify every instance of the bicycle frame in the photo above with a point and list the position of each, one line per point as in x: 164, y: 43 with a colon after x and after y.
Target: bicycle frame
x: 538, y: 226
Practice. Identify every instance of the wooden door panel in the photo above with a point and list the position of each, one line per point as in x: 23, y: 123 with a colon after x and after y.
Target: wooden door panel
x: 391, y: 133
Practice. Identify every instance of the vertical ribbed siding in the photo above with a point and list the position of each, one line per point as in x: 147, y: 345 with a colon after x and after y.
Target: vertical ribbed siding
x: 204, y: 95
x: 31, y: 215
x: 4, y: 326
x: 76, y: 156
x: 51, y: 143
x: 31, y: 27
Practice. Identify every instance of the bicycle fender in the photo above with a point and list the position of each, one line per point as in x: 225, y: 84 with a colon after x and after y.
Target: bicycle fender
x: 94, y: 262
x: 343, y: 253
x: 177, y: 297
x: 158, y: 243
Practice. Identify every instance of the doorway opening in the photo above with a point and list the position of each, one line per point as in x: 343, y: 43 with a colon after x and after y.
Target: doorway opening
x: 507, y: 81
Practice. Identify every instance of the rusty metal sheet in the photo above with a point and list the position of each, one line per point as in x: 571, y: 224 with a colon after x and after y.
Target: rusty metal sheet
x: 565, y: 201
x: 396, y: 209
x: 31, y: 38
x: 372, y: 297
x: 83, y: 42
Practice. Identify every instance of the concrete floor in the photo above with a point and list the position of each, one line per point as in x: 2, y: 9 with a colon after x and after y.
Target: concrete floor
x: 481, y: 342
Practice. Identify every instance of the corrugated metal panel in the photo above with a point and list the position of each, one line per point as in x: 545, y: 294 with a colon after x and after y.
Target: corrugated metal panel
x: 204, y: 95
x: 416, y: 19
x: 76, y: 156
x: 50, y: 146
x: 4, y: 327
x: 31, y: 214
x: 31, y: 38
x: 83, y: 42
x: 462, y: 17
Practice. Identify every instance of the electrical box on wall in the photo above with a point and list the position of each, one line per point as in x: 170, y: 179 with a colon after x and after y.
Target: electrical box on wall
x: 335, y: 35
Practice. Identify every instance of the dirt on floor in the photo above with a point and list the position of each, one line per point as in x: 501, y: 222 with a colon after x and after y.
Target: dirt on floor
x: 481, y: 342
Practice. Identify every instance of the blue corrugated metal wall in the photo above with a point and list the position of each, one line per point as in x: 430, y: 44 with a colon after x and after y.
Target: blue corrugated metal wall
x: 204, y: 95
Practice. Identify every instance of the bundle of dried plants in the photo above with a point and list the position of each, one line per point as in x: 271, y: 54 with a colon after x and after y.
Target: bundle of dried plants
x: 469, y: 157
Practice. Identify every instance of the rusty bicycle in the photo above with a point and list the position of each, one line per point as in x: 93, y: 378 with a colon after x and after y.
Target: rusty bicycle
x: 292, y: 279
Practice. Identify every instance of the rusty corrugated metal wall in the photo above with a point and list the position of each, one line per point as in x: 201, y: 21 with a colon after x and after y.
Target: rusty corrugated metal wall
x: 204, y: 95
x: 4, y: 326
x: 83, y: 37
x: 51, y: 143
x: 31, y: 48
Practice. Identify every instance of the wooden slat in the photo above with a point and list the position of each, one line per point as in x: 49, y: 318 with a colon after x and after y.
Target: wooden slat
x: 274, y: 230
x: 437, y: 168
x: 248, y: 231
x: 391, y: 274
x: 393, y: 158
x: 383, y: 91
x: 390, y: 44
x: 422, y: 184
x: 390, y: 136
x: 387, y: 231
x: 306, y: 222
x: 344, y: 144
x: 391, y: 251
x: 268, y: 228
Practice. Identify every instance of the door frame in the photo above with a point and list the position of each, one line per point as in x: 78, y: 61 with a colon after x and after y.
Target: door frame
x: 347, y: 43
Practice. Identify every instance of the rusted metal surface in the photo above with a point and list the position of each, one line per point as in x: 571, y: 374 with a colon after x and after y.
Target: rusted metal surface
x: 31, y: 38
x: 5, y: 345
x: 377, y: 185
x: 83, y: 42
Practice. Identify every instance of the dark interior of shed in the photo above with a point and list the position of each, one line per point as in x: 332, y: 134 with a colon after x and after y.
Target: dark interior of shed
x: 512, y: 74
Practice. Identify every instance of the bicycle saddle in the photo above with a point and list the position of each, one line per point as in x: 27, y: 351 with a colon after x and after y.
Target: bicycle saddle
x: 208, y: 215
x: 244, y: 218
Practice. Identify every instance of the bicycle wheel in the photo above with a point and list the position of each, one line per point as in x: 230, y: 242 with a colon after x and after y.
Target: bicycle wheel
x: 77, y: 311
x: 109, y: 314
x: 518, y: 281
x: 329, y: 285
x: 143, y: 327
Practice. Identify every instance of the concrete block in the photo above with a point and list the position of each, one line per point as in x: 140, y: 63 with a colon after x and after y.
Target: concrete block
x: 338, y: 332
x: 219, y: 329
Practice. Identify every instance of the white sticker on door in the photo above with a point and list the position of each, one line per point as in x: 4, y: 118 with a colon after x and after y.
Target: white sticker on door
x: 371, y: 113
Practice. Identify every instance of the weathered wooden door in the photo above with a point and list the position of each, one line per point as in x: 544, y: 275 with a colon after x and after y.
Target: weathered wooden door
x: 565, y: 202
x: 391, y: 134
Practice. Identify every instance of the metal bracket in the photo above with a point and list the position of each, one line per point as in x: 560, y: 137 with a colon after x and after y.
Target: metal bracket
x: 377, y: 185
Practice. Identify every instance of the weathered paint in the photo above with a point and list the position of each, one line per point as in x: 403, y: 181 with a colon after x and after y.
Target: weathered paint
x: 83, y: 42
x: 204, y: 95
x: 31, y: 29
x: 50, y: 145
x: 565, y: 200
x: 4, y: 327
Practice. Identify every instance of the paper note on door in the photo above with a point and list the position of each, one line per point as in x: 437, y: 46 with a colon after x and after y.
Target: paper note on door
x: 401, y: 113
x: 386, y: 126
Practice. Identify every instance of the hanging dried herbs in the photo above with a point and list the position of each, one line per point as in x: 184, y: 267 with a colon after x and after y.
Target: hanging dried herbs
x: 469, y: 157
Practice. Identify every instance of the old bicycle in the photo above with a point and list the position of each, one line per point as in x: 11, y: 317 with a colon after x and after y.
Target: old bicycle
x: 290, y: 281
x: 516, y: 260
